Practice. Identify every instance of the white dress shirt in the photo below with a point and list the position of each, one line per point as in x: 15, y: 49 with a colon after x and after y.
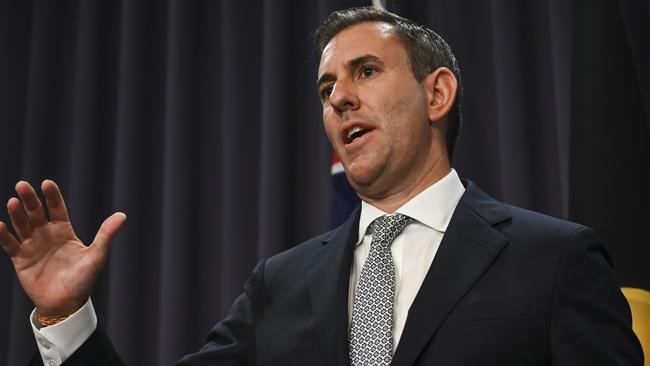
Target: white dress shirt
x: 413, y: 251
x: 59, y: 341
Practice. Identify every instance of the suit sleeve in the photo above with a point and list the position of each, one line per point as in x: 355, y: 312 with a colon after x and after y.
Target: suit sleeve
x: 591, y: 322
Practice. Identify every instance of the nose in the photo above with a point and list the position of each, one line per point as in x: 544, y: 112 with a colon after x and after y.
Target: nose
x: 344, y: 96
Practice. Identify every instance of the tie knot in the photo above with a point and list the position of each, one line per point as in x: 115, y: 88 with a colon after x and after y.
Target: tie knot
x: 386, y: 228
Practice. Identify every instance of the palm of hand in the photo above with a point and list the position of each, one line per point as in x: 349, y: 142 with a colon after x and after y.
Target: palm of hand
x: 56, y: 270
x: 54, y: 267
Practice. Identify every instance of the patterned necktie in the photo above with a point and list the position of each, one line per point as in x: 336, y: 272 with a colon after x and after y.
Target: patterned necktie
x: 371, y: 331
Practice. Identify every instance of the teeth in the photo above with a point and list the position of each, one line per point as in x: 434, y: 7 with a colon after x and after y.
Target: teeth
x: 354, y: 130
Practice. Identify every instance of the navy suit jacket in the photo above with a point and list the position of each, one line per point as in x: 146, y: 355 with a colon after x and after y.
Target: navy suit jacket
x: 507, y: 287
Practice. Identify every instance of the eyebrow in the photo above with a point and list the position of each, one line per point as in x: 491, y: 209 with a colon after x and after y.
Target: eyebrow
x: 352, y: 64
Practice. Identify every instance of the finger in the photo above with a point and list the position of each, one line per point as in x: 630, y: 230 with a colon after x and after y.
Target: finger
x: 54, y: 199
x: 102, y: 242
x: 19, y: 218
x: 8, y: 241
x: 32, y: 204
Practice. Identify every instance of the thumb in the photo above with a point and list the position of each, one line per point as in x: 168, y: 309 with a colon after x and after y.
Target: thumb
x: 107, y: 231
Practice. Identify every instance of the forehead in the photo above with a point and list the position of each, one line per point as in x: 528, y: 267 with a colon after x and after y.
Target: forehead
x: 369, y: 38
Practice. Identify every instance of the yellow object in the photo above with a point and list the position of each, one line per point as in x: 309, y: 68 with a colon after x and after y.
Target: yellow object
x: 639, y: 301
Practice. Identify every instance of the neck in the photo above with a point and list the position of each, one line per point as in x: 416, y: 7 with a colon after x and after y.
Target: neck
x: 395, y: 199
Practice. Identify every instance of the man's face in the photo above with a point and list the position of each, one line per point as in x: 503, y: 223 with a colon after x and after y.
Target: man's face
x: 374, y: 110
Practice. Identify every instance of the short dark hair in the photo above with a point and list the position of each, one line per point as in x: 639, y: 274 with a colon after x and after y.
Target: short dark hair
x: 426, y: 50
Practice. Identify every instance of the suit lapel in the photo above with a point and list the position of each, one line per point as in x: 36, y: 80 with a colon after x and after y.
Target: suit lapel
x: 468, y: 247
x: 328, y: 275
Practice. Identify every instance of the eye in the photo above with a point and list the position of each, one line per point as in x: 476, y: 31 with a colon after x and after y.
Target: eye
x: 367, y: 71
x: 326, y: 91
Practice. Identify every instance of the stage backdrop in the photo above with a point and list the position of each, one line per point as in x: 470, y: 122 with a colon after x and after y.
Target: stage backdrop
x: 200, y: 120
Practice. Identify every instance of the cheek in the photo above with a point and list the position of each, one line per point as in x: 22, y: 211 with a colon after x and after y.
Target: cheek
x: 407, y: 121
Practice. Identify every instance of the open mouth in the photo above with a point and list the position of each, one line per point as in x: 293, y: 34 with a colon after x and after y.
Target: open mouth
x: 354, y: 133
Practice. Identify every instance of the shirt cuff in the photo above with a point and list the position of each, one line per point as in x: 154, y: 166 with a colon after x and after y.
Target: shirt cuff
x: 59, y: 341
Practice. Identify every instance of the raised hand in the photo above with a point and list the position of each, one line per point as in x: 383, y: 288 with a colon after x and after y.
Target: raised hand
x: 56, y: 270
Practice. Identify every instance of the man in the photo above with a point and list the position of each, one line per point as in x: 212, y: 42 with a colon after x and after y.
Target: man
x: 428, y: 271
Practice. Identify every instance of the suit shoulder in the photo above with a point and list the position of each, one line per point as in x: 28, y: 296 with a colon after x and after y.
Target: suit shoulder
x: 532, y: 218
x: 524, y: 228
x: 512, y: 218
x: 534, y: 226
x: 288, y: 267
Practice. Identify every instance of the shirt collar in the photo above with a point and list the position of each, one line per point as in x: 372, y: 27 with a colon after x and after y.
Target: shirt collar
x: 432, y: 207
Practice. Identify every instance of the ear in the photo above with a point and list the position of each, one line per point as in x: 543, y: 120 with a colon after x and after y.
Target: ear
x: 441, y: 93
